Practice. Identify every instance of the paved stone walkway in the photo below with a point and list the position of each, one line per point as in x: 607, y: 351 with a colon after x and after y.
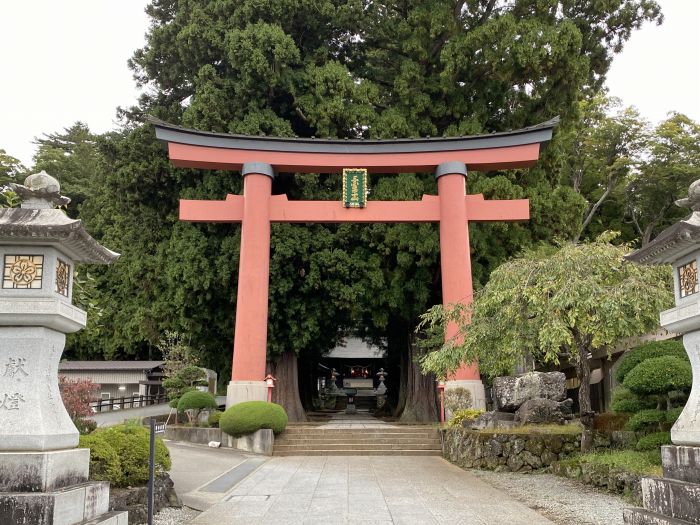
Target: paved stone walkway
x: 363, y: 490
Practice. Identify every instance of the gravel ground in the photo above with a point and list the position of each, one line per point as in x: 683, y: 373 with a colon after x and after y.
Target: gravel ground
x: 562, y: 500
x: 173, y: 516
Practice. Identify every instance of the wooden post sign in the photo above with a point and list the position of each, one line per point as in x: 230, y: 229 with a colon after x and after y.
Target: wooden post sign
x: 354, y: 187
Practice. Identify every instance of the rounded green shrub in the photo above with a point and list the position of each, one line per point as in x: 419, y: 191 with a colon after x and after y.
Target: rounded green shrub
x: 250, y: 416
x: 646, y: 420
x: 659, y: 375
x: 653, y: 441
x: 196, y: 400
x: 213, y: 418
x: 673, y: 415
x: 626, y: 402
x: 105, y: 464
x: 648, y: 351
x: 131, y: 443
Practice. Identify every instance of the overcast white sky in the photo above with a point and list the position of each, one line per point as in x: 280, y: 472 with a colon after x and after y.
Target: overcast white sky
x: 63, y: 61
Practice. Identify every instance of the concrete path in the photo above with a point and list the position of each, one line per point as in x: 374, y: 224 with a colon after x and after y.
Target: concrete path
x: 365, y: 490
x: 196, y: 465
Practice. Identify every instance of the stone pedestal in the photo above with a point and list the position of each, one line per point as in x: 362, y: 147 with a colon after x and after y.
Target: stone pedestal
x: 675, y: 498
x: 240, y: 391
x: 475, y: 387
x: 686, y: 430
x: 31, y: 410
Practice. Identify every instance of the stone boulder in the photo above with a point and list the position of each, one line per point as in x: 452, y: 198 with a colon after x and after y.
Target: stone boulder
x: 544, y: 411
x: 509, y: 392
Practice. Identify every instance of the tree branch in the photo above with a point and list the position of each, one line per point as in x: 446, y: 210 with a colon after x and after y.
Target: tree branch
x: 592, y: 209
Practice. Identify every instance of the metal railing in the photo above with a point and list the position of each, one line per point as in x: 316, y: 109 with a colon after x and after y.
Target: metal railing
x: 121, y: 403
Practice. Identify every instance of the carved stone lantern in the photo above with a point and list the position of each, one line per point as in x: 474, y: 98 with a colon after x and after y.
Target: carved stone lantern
x: 678, y: 245
x: 39, y: 247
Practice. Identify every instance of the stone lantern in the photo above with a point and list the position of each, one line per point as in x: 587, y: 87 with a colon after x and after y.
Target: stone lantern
x: 677, y: 495
x: 43, y: 476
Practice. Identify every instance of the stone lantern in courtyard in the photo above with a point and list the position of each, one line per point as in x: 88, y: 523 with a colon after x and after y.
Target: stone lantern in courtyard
x: 43, y: 476
x: 676, y: 495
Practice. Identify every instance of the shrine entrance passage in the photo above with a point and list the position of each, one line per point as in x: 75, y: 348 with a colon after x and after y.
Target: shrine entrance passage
x: 260, y: 158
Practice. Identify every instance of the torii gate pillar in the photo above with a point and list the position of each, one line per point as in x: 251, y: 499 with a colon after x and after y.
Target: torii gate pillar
x: 456, y: 265
x: 250, y: 342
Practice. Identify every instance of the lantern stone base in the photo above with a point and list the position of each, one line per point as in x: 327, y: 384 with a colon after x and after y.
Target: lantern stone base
x: 52, y: 488
x: 675, y: 498
x: 43, y: 471
x: 682, y: 463
x: 475, y: 387
x: 240, y: 391
x: 77, y: 505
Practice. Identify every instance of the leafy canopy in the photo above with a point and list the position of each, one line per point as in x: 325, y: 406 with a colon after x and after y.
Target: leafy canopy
x: 551, y: 304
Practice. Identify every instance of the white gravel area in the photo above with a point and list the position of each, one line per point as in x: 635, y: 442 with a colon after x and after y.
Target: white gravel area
x: 564, y: 501
x: 173, y: 516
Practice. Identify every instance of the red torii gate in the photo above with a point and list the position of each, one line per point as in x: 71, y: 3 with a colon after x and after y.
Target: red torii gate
x: 259, y: 158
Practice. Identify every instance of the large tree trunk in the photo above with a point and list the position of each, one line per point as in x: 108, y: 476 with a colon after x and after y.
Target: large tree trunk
x: 286, y: 391
x: 421, y: 396
x: 583, y: 371
x: 403, y: 384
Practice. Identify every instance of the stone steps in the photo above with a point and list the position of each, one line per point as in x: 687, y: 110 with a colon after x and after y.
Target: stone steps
x: 357, y: 446
x: 378, y: 441
x: 358, y: 439
x: 360, y: 452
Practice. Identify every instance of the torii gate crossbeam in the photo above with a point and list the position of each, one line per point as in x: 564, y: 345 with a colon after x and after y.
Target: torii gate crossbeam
x: 257, y: 208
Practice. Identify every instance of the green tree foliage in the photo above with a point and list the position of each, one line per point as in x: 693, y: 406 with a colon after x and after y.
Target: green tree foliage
x: 659, y: 376
x: 672, y: 163
x: 626, y: 402
x: 646, y: 351
x: 340, y: 69
x: 605, y: 146
x: 11, y: 170
x: 74, y: 159
x: 645, y: 420
x: 193, y: 402
x: 653, y: 441
x: 655, y: 376
x: 185, y: 380
x: 554, y: 305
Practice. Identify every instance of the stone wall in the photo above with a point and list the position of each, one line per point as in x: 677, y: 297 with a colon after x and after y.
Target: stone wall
x: 514, y: 452
x: 135, y: 499
x: 601, y: 476
x: 259, y: 442
x: 506, y: 451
